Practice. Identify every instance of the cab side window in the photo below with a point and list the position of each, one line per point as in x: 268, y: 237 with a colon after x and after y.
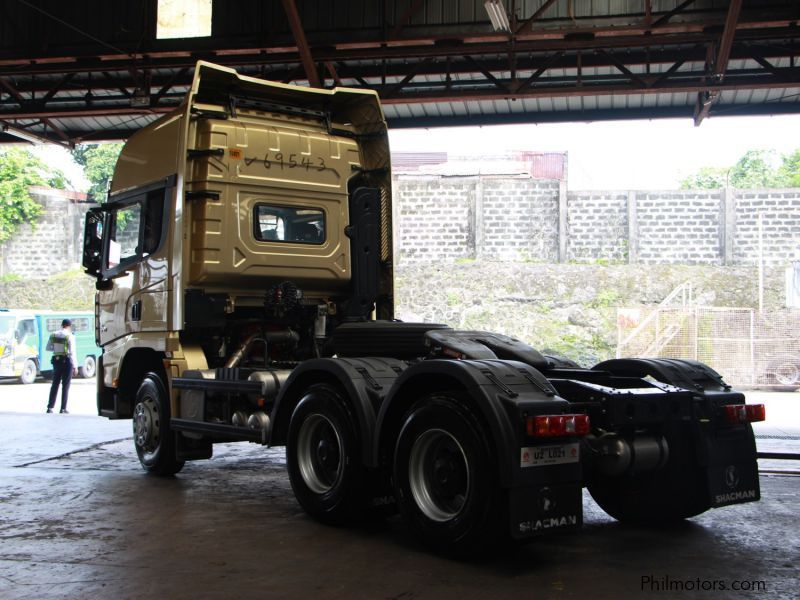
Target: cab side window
x: 273, y: 223
x: 135, y: 228
x: 123, y: 247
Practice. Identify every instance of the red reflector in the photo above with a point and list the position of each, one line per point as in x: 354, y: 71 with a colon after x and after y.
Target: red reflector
x: 558, y: 425
x: 745, y: 413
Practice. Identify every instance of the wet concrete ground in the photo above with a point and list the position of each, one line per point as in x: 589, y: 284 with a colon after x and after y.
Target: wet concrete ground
x: 79, y: 519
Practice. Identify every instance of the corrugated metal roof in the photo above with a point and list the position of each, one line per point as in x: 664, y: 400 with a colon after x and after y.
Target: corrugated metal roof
x: 434, y: 63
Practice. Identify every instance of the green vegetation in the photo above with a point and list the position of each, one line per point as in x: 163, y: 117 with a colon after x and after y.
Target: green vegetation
x: 755, y: 169
x: 19, y: 170
x: 70, y: 290
x: 10, y: 278
x: 789, y: 171
x: 605, y: 299
x: 98, y: 162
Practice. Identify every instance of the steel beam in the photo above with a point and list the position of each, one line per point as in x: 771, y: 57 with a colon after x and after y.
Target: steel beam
x: 706, y: 99
x: 528, y: 23
x: 406, y: 17
x: 571, y: 116
x: 300, y: 40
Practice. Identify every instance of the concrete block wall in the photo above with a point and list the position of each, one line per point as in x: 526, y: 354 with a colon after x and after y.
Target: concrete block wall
x: 54, y: 243
x: 780, y: 226
x: 514, y: 219
x: 519, y: 218
x: 433, y: 219
x: 682, y: 227
x: 597, y: 226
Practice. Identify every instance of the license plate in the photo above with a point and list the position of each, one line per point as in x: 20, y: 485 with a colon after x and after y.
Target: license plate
x: 541, y: 456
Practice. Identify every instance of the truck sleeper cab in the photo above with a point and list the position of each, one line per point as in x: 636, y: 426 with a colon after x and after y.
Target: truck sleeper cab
x: 244, y: 274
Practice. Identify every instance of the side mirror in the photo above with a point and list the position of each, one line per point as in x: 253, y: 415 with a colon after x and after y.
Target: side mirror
x: 93, y: 242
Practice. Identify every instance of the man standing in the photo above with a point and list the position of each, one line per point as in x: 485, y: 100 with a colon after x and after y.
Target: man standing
x: 65, y: 363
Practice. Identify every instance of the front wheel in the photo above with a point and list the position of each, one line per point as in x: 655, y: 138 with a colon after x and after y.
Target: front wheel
x: 89, y: 367
x: 323, y: 457
x: 445, y: 477
x: 152, y: 435
x: 29, y: 371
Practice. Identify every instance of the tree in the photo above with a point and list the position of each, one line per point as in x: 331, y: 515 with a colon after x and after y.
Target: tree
x: 706, y: 178
x: 98, y: 162
x: 19, y: 170
x: 756, y: 169
x: 789, y: 171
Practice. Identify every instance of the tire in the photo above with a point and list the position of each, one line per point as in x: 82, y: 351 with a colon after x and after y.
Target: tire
x: 785, y: 373
x: 89, y: 368
x: 323, y: 457
x: 152, y: 436
x: 29, y: 372
x: 445, y: 478
x: 671, y: 494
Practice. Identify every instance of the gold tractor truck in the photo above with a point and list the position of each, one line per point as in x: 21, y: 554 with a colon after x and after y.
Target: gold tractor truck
x: 243, y: 266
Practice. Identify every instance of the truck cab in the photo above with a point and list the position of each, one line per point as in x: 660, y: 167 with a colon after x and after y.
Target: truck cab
x: 243, y: 265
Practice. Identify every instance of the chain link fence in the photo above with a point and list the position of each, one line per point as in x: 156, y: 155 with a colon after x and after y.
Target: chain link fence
x: 746, y: 346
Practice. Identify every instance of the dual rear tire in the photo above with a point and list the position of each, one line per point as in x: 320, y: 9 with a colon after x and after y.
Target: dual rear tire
x: 323, y: 456
x: 444, y: 477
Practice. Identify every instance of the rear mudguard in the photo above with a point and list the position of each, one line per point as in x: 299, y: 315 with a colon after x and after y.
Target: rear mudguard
x: 502, y: 393
x: 725, y: 453
x: 365, y: 381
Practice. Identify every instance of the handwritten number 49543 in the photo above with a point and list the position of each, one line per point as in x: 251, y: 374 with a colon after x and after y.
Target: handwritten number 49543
x: 281, y: 161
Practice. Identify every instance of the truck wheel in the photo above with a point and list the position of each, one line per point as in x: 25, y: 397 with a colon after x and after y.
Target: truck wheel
x: 323, y: 457
x: 676, y: 492
x: 445, y: 479
x: 89, y: 367
x: 152, y: 435
x: 29, y: 372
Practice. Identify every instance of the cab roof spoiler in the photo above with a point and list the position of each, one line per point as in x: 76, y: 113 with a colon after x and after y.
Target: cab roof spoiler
x: 345, y: 111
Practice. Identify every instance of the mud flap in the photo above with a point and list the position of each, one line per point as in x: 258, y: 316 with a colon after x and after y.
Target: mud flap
x: 732, y: 474
x: 539, y: 509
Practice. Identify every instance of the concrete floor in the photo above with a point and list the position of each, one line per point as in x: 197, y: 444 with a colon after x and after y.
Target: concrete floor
x: 79, y: 519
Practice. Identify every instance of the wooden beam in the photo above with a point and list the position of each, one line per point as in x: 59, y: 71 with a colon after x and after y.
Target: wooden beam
x: 300, y: 41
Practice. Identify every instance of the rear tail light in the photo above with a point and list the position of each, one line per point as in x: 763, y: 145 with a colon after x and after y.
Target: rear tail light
x: 557, y: 425
x: 736, y: 414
